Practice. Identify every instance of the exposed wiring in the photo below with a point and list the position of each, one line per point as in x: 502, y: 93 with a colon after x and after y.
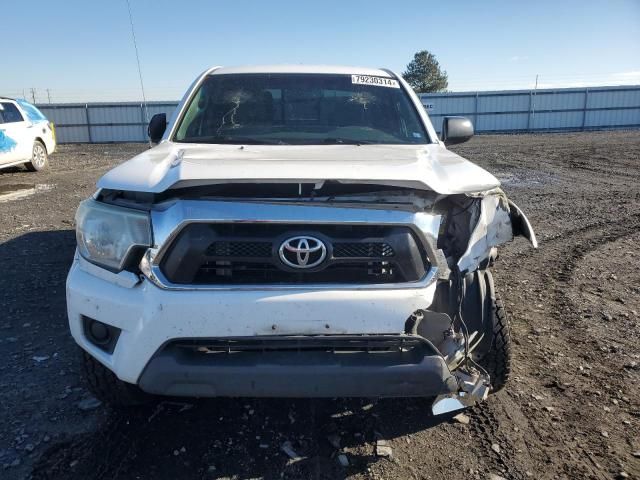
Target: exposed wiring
x: 460, y: 290
x: 479, y: 367
x: 459, y: 279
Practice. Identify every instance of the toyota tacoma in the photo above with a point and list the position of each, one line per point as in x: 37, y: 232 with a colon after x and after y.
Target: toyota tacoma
x: 297, y: 231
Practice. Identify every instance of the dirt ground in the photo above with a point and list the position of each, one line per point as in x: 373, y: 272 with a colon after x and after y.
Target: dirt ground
x: 572, y: 409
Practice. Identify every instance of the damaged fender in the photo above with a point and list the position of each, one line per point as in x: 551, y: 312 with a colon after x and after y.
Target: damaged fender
x: 498, y: 221
x: 521, y: 225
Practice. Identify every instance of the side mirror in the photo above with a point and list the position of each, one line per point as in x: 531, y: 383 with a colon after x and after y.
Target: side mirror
x: 157, y: 126
x: 456, y: 130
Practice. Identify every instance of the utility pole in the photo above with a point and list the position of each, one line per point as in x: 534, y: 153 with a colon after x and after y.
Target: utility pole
x: 33, y: 95
x: 48, y: 95
x: 533, y: 105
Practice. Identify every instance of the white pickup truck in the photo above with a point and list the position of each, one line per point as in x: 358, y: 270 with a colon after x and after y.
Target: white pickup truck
x: 298, y: 231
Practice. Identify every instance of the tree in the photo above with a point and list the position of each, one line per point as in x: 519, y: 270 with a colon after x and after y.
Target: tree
x: 424, y: 73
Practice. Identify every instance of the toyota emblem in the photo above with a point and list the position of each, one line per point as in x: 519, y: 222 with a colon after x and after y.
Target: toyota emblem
x: 302, y: 252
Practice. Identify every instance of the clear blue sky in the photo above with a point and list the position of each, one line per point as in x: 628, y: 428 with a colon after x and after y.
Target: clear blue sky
x: 82, y: 49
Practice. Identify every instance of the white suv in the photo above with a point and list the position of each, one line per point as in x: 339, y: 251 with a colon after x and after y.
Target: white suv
x: 298, y: 231
x: 26, y: 136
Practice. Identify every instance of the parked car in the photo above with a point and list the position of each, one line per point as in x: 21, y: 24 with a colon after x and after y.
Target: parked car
x: 26, y: 136
x: 298, y: 231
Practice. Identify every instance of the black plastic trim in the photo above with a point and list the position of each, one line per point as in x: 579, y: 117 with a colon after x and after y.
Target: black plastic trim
x: 414, y: 372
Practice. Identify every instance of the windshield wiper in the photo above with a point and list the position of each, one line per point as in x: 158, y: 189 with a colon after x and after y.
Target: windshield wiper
x: 344, y: 141
x: 225, y: 139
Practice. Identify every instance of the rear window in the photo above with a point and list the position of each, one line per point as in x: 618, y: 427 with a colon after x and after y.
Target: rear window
x: 10, y: 113
x: 32, y: 112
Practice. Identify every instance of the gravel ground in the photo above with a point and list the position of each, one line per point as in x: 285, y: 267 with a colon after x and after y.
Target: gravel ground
x: 572, y: 409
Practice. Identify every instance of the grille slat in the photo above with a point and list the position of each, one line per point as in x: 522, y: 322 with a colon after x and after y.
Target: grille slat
x: 329, y: 343
x: 263, y: 249
x: 239, y: 249
x: 239, y: 272
x: 363, y: 250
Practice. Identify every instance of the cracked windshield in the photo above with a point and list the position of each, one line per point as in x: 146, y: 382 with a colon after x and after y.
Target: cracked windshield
x: 301, y: 109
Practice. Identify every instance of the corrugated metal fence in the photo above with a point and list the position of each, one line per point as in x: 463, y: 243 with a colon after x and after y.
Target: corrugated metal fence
x: 559, y: 109
x: 103, y: 122
x: 491, y: 112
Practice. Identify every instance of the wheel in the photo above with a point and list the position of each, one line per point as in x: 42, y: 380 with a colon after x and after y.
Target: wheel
x: 108, y: 388
x: 39, y: 158
x: 497, y: 361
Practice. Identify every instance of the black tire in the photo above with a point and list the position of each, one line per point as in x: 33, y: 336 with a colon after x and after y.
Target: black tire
x: 497, y: 360
x: 108, y: 388
x: 39, y: 158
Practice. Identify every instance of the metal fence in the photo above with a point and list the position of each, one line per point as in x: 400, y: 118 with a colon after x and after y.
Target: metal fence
x: 541, y: 110
x: 103, y: 122
x: 594, y: 108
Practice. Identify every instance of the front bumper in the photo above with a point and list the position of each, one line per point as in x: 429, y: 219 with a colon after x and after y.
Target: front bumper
x: 150, y: 317
x: 277, y: 371
x: 152, y: 314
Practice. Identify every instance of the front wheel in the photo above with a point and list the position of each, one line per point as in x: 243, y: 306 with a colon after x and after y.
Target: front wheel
x: 108, y: 388
x: 497, y: 361
x: 39, y: 158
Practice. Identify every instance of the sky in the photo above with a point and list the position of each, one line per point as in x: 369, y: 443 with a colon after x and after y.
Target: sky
x: 82, y: 50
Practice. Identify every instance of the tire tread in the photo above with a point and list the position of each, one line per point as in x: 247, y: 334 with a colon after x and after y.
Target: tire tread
x: 498, y: 359
x: 108, y: 388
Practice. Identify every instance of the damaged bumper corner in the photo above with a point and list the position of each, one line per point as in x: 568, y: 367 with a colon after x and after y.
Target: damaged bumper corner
x: 315, y: 366
x: 473, y: 388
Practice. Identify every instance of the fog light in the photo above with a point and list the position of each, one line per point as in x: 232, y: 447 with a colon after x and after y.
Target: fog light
x: 100, y: 334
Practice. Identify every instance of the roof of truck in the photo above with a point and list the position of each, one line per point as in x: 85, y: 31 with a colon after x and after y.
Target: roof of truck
x: 331, y: 69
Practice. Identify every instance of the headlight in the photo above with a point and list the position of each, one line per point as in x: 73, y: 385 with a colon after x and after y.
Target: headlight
x: 107, y: 235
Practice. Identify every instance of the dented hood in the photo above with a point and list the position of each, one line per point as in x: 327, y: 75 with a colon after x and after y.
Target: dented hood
x: 172, y: 165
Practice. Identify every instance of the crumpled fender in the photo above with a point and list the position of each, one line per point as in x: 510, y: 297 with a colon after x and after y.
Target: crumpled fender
x: 498, y: 221
x: 521, y: 225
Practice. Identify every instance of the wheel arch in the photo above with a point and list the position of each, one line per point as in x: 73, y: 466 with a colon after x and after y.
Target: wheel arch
x: 41, y: 140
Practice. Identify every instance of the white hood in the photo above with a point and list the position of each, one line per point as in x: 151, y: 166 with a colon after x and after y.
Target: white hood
x: 426, y: 167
